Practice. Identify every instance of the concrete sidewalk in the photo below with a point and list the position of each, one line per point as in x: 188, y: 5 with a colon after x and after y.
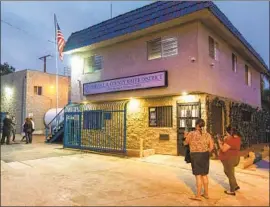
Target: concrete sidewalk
x: 178, y: 161
x: 84, y: 179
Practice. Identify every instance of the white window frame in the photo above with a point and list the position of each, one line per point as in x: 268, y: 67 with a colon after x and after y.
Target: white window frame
x: 215, y: 49
x: 163, y: 41
x: 38, y: 89
x: 93, y: 63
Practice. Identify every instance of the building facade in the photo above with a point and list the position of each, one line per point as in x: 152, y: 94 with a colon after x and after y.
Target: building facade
x: 30, y: 93
x: 172, y: 67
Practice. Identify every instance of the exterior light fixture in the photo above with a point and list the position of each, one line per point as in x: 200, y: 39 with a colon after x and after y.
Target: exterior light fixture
x: 184, y: 93
x: 8, y: 91
x: 134, y: 105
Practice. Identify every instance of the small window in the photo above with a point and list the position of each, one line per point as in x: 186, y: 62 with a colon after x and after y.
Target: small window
x: 247, y: 75
x: 234, y: 62
x: 93, y: 63
x: 246, y: 116
x: 162, y: 48
x: 92, y: 120
x: 38, y: 90
x: 154, y: 49
x: 160, y: 116
x: 213, y: 48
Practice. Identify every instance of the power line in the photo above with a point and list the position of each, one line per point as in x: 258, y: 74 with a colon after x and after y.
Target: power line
x: 9, y: 24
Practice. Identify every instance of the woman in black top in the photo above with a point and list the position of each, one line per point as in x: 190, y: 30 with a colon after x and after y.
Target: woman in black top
x: 28, y: 129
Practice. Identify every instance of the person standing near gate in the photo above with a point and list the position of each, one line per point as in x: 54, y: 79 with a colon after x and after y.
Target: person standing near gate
x: 6, y: 130
x: 13, y: 127
x: 28, y: 129
x: 201, y: 144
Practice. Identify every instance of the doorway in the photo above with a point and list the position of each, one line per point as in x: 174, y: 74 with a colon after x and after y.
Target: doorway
x: 187, y: 114
x: 217, y: 120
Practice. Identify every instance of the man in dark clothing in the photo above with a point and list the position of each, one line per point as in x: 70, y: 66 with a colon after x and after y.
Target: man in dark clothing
x: 6, y: 130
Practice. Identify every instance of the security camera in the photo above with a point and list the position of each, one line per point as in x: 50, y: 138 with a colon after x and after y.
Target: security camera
x: 193, y: 59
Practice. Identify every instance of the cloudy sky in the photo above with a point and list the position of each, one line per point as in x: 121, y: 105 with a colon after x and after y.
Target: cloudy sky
x: 27, y: 27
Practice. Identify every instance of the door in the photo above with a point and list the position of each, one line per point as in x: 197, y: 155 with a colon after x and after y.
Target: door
x: 217, y: 123
x: 72, y: 133
x: 187, y: 114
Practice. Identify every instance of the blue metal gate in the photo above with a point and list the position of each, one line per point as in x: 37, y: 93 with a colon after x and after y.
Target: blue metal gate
x: 96, y: 127
x: 72, y: 129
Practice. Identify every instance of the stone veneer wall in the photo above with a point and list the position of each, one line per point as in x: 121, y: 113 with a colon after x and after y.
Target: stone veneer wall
x: 138, y: 124
x: 14, y: 103
x: 22, y: 101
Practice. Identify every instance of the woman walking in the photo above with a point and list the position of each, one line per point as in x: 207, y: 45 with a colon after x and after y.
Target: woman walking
x: 229, y: 156
x: 201, y: 144
x: 28, y: 129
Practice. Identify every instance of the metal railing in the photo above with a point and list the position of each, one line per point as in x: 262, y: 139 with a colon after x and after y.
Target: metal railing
x: 55, y: 124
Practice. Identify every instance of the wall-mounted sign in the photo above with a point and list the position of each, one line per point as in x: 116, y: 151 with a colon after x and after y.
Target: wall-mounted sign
x: 152, y: 80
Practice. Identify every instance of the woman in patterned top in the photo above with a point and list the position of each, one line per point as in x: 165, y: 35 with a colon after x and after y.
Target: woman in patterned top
x: 201, y: 144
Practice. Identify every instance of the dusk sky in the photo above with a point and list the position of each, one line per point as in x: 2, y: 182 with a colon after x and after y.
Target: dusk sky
x: 32, y: 26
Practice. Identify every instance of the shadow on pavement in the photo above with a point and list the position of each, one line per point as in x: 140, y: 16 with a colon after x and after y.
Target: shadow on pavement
x: 189, y: 179
x: 220, y: 180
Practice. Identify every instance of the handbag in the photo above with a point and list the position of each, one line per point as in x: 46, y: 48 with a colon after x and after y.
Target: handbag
x: 187, y: 154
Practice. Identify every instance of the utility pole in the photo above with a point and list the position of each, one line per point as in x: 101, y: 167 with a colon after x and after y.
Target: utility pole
x: 44, y: 58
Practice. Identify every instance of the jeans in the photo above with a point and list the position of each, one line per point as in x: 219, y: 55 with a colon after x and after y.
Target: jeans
x: 229, y: 166
x: 13, y: 134
x: 5, y: 135
x: 28, y: 136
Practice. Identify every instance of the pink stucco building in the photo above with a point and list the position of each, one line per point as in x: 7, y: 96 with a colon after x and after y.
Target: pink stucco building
x: 169, y: 61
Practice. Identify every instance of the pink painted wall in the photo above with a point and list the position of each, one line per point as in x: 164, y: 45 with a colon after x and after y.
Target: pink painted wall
x: 221, y: 79
x: 130, y: 58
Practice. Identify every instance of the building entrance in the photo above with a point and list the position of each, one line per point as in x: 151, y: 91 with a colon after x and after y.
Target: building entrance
x: 187, y: 114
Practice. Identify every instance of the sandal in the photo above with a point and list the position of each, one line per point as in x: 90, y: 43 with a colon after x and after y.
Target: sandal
x: 205, y: 196
x: 237, y: 188
x: 196, y: 198
x: 229, y: 193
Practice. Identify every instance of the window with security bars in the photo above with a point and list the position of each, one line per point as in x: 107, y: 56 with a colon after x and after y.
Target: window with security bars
x: 213, y: 48
x: 92, y: 120
x: 160, y: 116
x: 162, y: 47
x: 38, y: 90
x: 93, y: 63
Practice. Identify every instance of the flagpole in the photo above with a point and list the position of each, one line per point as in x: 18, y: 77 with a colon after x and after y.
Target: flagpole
x: 111, y: 9
x: 56, y: 62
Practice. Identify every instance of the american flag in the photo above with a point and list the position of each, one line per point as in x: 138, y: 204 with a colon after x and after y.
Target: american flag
x: 60, y: 40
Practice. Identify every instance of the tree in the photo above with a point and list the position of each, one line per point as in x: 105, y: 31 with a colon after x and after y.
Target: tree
x: 6, y: 69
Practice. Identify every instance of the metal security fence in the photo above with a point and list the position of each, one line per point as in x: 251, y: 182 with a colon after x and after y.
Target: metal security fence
x: 96, y: 127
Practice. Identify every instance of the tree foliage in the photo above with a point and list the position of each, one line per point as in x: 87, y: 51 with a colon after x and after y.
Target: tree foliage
x: 6, y: 69
x: 265, y: 92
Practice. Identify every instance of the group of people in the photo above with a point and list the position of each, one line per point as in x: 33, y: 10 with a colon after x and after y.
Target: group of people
x: 9, y: 129
x: 201, y: 145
